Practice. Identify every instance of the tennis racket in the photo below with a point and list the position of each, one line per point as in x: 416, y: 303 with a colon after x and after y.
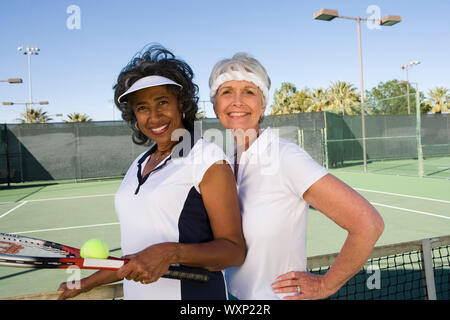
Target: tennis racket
x: 25, y: 252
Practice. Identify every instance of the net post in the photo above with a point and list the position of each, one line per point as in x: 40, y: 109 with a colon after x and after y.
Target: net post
x: 428, y: 268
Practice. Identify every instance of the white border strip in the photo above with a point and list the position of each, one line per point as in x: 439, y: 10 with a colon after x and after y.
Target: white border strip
x: 103, y: 263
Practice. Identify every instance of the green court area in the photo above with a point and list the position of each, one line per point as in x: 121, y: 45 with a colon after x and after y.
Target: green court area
x: 413, y: 208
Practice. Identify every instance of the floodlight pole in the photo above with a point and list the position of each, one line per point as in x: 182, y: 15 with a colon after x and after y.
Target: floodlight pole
x: 361, y: 79
x: 30, y: 92
x: 328, y: 15
x: 407, y: 92
x: 363, y: 122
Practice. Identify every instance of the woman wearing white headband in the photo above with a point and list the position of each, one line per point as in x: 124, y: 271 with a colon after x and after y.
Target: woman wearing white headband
x: 177, y: 204
x: 277, y: 181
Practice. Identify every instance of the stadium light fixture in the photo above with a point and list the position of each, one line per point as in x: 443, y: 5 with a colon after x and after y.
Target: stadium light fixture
x: 13, y: 80
x: 389, y: 20
x: 325, y: 14
x: 9, y: 103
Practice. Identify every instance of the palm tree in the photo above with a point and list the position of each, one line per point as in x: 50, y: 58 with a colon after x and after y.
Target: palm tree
x: 78, y: 117
x: 343, y: 98
x: 32, y: 115
x: 282, y: 99
x: 439, y: 100
x: 318, y: 100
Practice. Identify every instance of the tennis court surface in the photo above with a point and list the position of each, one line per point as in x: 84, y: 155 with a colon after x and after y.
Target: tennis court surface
x: 413, y: 209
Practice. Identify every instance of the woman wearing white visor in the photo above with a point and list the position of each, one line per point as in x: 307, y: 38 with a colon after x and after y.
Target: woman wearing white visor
x: 277, y: 181
x: 177, y: 204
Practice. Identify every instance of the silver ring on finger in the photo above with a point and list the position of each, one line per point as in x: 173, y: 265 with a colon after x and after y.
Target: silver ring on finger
x: 298, y: 289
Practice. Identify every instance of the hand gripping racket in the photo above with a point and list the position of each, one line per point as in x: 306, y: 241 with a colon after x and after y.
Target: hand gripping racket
x: 25, y: 252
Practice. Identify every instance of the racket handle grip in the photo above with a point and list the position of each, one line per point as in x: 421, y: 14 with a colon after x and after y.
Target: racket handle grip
x: 181, y: 273
x: 178, y: 273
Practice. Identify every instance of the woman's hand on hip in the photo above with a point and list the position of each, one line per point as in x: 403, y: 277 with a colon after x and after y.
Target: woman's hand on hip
x: 302, y: 286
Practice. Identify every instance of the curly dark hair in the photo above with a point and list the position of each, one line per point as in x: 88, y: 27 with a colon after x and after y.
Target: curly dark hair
x: 154, y: 59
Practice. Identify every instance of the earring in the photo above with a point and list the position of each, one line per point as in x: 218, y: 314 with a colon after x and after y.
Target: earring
x: 184, y: 115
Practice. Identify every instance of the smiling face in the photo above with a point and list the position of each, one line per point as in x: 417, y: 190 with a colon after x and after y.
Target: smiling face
x: 157, y: 111
x: 239, y: 105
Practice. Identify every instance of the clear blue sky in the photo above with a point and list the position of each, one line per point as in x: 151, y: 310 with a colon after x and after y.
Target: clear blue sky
x: 76, y: 69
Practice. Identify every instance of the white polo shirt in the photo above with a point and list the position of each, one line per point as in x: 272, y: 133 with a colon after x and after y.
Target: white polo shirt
x: 272, y: 177
x: 166, y: 206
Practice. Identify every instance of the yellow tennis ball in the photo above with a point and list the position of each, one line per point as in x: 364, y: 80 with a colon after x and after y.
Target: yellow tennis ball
x: 94, y: 249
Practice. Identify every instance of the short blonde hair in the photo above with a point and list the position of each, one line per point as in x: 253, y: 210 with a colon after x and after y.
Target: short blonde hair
x: 240, y: 67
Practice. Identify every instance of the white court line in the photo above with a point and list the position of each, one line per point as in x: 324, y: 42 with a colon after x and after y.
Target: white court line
x: 410, y: 210
x: 16, y: 207
x: 403, y: 195
x: 70, y: 198
x: 21, y: 203
x: 68, y: 228
x: 64, y: 198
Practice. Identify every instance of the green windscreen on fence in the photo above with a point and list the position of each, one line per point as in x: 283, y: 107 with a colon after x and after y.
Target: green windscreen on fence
x: 392, y: 143
x: 61, y: 151
x: 387, y: 137
x: 435, y: 134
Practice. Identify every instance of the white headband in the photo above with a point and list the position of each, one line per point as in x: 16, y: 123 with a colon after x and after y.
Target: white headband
x: 239, y: 75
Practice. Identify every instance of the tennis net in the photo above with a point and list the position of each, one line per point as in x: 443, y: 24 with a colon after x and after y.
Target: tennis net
x: 417, y: 270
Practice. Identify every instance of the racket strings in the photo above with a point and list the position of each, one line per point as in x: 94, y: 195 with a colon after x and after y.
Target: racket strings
x: 14, y: 246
